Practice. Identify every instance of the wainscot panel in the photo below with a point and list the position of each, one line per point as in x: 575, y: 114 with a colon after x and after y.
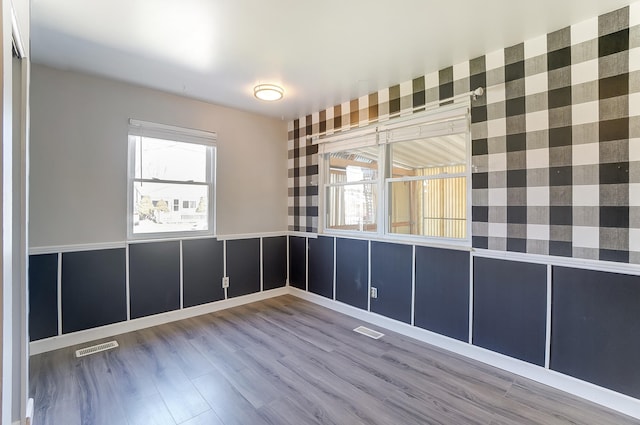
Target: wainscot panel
x: 596, y: 328
x: 442, y: 291
x: 509, y: 308
x: 321, y: 266
x: 243, y: 266
x: 202, y: 269
x: 298, y: 262
x: 352, y: 272
x: 391, y: 270
x: 43, y: 298
x: 274, y: 262
x: 154, y: 277
x: 93, y: 289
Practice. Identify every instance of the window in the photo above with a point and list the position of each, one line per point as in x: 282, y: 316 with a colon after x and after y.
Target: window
x: 427, y: 187
x: 404, y: 178
x: 352, y: 192
x: 166, y: 165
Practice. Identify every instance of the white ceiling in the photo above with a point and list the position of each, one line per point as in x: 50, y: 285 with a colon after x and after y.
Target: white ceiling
x: 322, y: 52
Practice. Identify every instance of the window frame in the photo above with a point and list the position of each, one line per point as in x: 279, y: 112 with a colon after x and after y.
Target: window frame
x: 373, y: 183
x: 366, y: 137
x: 434, y: 120
x: 171, y: 133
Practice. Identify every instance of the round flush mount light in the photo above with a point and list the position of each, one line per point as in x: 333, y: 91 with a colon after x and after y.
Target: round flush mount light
x: 268, y: 92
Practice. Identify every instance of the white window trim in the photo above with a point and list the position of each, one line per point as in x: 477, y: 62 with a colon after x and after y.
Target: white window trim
x: 351, y: 232
x: 455, y: 118
x: 178, y: 134
x: 172, y: 132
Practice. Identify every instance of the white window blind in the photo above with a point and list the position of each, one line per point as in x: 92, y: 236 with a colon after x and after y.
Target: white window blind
x: 418, y: 168
x: 348, y: 140
x: 171, y: 181
x: 445, y: 120
x: 169, y: 132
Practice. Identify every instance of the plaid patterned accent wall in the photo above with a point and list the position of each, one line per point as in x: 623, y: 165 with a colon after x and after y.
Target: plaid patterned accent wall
x: 555, y: 140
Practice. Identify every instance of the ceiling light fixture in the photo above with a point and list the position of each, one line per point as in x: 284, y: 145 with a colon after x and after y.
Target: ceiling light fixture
x: 268, y: 92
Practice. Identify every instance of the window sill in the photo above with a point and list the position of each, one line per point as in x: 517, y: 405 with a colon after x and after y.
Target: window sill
x: 155, y: 237
x: 457, y: 244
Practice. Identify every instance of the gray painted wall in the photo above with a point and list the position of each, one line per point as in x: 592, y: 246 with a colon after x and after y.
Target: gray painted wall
x: 78, y: 181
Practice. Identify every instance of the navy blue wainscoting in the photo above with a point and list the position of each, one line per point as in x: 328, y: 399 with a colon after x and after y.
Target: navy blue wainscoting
x: 298, y: 262
x: 442, y: 291
x: 509, y: 308
x: 596, y: 328
x: 202, y: 269
x: 43, y: 296
x: 93, y: 289
x: 391, y: 271
x: 274, y: 262
x: 352, y: 272
x: 321, y: 266
x: 243, y: 267
x: 154, y: 278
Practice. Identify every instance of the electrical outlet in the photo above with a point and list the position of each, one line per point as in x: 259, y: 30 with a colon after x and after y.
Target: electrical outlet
x: 374, y: 292
x: 225, y: 282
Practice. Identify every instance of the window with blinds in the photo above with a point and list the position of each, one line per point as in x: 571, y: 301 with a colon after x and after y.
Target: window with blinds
x: 405, y: 178
x: 171, y: 181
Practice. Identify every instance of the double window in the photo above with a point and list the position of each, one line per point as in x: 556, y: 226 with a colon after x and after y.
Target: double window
x: 406, y: 178
x: 171, y: 181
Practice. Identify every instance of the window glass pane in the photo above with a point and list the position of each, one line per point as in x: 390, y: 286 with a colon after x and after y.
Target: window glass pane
x: 169, y: 160
x: 152, y: 212
x: 352, y: 207
x: 418, y: 157
x: 355, y: 164
x: 436, y: 207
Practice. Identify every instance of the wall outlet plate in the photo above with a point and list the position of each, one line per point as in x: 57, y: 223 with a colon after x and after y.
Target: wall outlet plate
x: 374, y: 292
x: 225, y: 282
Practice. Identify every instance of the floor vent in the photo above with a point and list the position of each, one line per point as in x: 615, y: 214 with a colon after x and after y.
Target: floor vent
x: 368, y: 332
x: 96, y: 348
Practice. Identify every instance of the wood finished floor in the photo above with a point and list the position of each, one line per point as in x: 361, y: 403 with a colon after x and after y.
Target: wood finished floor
x: 287, y: 361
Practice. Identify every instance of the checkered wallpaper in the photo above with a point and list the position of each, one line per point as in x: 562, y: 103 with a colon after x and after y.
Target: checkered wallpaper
x: 556, y: 140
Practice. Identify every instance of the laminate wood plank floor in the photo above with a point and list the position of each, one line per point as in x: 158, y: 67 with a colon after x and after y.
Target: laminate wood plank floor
x: 287, y: 361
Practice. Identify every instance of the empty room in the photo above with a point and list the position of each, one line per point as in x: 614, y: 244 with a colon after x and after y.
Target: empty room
x: 362, y: 212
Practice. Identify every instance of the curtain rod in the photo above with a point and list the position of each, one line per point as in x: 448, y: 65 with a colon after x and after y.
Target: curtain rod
x: 427, y: 106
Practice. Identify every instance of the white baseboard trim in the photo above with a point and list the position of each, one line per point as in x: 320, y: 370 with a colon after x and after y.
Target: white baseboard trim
x: 81, y: 337
x: 602, y: 396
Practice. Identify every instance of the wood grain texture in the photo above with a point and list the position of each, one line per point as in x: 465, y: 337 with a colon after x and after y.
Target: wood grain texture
x: 287, y: 361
